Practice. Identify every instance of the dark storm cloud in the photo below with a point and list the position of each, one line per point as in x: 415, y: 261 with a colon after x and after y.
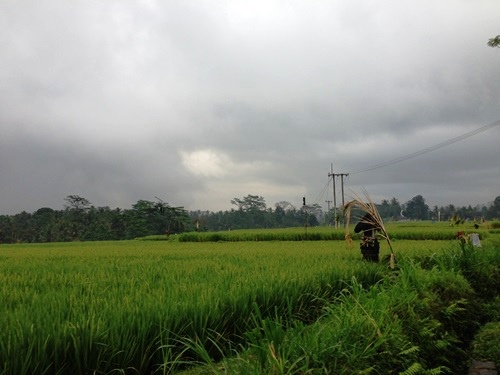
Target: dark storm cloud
x: 200, y: 102
x: 44, y: 173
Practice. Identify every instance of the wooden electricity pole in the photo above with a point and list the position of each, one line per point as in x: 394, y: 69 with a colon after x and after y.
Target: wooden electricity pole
x: 342, y: 185
x: 333, y: 175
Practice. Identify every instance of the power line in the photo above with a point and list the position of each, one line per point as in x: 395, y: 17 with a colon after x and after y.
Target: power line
x: 430, y: 149
x: 406, y: 157
x: 322, y: 194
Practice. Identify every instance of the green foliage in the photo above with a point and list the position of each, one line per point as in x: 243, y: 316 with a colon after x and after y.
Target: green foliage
x: 487, y: 343
x: 250, y: 203
x: 494, y: 42
x: 290, y: 234
x: 421, y: 231
x: 386, y: 328
x: 80, y: 221
x: 416, y: 208
x: 478, y: 265
x: 491, y: 309
x: 103, y: 306
x: 416, y: 321
x: 274, y: 307
x: 389, y: 210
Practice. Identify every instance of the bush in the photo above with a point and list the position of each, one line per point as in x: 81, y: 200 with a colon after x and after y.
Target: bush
x: 412, y: 322
x: 487, y: 343
x: 491, y: 310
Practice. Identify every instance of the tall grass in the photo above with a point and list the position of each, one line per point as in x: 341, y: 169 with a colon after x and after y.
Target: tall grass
x: 416, y: 231
x: 124, y: 306
x: 156, y: 307
x: 416, y: 321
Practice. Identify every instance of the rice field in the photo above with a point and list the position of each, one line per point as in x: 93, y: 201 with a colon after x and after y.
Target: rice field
x: 422, y: 230
x: 99, y: 307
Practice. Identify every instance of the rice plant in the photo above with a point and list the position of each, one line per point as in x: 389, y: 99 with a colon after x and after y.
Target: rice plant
x: 163, y: 306
x: 101, y: 307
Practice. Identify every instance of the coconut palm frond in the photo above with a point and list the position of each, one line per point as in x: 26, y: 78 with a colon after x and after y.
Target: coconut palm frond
x: 494, y: 42
x: 372, y: 218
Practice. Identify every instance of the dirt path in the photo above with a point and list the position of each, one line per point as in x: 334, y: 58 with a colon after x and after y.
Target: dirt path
x: 483, y: 368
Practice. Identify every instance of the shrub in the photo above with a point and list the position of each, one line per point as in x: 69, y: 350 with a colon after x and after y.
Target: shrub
x: 491, y: 310
x: 487, y: 343
x: 410, y: 323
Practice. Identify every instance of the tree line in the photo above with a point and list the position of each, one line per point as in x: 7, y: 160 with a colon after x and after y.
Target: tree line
x: 81, y: 221
x: 417, y: 209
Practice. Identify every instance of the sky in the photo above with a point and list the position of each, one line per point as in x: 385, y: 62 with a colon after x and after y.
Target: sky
x: 198, y: 102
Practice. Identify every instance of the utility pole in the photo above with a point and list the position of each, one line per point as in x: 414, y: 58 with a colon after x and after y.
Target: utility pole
x: 334, y: 196
x: 331, y: 174
x: 342, y: 185
x: 305, y: 215
x: 328, y: 212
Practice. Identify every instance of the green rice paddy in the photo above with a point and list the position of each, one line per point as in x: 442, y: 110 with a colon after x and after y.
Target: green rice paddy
x: 99, y: 307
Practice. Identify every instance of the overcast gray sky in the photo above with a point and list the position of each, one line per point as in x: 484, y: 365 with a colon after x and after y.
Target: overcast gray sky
x: 199, y: 102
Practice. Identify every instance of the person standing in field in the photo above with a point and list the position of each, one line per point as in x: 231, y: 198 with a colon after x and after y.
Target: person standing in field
x: 369, y: 246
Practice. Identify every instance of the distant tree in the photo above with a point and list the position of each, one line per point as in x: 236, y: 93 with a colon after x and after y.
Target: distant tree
x: 389, y: 209
x: 23, y: 227
x: 144, y: 219
x: 104, y: 224
x: 149, y: 218
x: 284, y: 206
x: 468, y: 213
x: 384, y: 209
x: 435, y: 213
x: 251, y: 212
x: 6, y: 229
x: 279, y: 213
x: 416, y: 208
x: 176, y: 218
x: 75, y: 217
x: 76, y: 202
x: 448, y: 212
x: 286, y: 215
x: 250, y: 203
x: 494, y: 210
x: 494, y: 42
x: 310, y: 214
x: 395, y: 208
x: 81, y: 221
x: 44, y: 220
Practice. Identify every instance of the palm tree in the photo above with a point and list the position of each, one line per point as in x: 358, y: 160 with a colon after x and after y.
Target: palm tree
x: 494, y: 42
